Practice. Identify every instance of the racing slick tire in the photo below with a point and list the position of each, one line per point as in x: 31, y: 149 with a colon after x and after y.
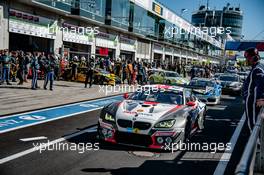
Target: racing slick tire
x: 187, y: 132
x: 201, y: 119
x: 99, y: 138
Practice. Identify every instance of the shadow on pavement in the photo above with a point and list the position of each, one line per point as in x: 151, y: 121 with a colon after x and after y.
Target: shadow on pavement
x: 161, y: 167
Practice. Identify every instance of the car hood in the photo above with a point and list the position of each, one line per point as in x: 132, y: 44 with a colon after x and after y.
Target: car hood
x: 150, y: 111
x: 204, y: 91
x: 179, y: 79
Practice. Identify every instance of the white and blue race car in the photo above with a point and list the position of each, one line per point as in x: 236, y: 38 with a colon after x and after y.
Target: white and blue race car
x: 207, y: 90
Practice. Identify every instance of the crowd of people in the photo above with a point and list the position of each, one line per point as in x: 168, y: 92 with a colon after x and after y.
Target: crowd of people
x: 22, y: 65
x: 19, y: 65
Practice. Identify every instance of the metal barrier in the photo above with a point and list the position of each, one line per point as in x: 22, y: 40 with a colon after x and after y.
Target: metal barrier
x: 252, y: 160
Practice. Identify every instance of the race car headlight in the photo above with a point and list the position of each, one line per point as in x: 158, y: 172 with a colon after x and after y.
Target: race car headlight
x: 109, y: 117
x: 165, y: 124
x: 238, y: 85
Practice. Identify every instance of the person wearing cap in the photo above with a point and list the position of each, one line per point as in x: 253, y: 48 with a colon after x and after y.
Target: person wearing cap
x: 253, y: 88
x: 21, y: 67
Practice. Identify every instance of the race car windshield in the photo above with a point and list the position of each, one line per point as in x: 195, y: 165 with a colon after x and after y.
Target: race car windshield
x: 242, y: 73
x: 202, y: 83
x: 171, y: 74
x: 228, y: 78
x: 168, y: 97
x: 154, y: 71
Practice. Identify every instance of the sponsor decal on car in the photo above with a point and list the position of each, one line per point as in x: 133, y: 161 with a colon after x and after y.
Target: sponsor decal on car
x: 130, y: 112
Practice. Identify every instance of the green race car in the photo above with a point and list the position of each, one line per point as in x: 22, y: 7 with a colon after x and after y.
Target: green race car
x: 160, y: 76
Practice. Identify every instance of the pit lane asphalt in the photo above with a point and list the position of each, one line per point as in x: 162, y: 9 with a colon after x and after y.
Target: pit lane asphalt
x: 220, y: 124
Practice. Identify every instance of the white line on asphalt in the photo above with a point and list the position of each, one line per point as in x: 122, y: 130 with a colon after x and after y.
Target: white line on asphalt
x: 228, y: 98
x: 222, y: 119
x: 33, y: 138
x: 221, y: 167
x: 31, y: 150
x: 220, y: 108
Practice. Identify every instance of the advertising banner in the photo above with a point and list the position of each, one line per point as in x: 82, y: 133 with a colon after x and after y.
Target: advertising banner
x: 71, y: 35
x: 28, y: 24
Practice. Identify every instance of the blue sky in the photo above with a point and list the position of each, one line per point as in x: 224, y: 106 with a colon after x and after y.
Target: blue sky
x: 253, y: 11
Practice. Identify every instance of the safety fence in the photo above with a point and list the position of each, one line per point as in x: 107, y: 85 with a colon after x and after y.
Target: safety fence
x: 252, y: 160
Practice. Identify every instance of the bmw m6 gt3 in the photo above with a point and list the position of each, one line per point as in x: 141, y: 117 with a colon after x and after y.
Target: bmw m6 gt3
x: 157, y: 116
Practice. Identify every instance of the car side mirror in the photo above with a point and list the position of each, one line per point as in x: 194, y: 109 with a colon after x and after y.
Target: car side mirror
x: 125, y: 96
x: 191, y: 103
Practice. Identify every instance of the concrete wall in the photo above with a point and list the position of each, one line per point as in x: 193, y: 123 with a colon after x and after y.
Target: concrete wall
x: 4, y: 34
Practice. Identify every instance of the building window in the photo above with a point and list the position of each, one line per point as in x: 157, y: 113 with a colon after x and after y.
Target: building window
x: 96, y: 7
x: 120, y: 12
x: 144, y: 23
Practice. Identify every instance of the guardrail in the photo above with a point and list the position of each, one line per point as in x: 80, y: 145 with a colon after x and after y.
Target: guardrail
x: 252, y: 160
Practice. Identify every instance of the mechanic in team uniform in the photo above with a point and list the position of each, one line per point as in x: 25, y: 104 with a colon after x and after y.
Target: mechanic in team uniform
x: 21, y: 67
x: 74, y: 68
x: 35, y: 68
x: 89, y: 72
x: 50, y: 65
x: 253, y: 88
